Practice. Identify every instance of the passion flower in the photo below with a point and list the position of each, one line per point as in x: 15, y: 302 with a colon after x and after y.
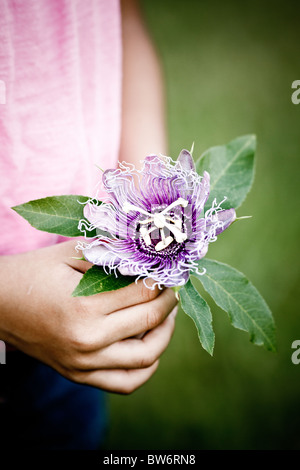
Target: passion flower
x: 153, y: 224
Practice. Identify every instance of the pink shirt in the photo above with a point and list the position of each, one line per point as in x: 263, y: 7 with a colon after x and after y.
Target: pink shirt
x: 60, y: 62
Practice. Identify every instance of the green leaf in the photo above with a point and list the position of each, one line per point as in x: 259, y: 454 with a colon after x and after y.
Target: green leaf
x: 196, y: 307
x: 56, y: 214
x: 235, y: 294
x: 231, y: 169
x: 96, y: 280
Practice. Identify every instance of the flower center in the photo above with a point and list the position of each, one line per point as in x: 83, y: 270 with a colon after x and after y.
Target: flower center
x: 160, y: 220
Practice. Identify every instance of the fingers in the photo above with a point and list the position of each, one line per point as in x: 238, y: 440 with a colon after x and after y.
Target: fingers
x: 125, y: 381
x: 105, y: 353
x: 139, y: 318
x: 131, y: 353
x: 119, y: 381
x: 135, y: 293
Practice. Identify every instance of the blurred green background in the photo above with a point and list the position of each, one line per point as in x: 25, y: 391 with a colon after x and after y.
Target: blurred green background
x: 229, y: 67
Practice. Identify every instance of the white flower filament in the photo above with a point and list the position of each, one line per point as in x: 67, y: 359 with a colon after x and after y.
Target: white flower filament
x: 160, y: 221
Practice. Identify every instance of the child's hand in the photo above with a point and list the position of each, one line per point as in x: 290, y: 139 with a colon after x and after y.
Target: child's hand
x: 86, y: 339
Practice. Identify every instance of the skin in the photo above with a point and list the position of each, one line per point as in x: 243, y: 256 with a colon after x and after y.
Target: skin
x: 92, y: 340
x: 143, y: 118
x: 87, y: 339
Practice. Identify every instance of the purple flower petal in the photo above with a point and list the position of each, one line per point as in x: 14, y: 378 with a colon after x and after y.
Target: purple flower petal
x: 153, y: 166
x: 186, y: 161
x: 126, y: 271
x: 203, y: 192
x: 101, y: 255
x: 225, y: 217
x: 101, y: 217
x: 178, y: 279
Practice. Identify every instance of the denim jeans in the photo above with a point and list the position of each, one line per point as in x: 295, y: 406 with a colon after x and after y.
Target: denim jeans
x: 40, y: 409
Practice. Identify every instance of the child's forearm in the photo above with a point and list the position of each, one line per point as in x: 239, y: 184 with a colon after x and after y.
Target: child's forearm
x: 143, y: 113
